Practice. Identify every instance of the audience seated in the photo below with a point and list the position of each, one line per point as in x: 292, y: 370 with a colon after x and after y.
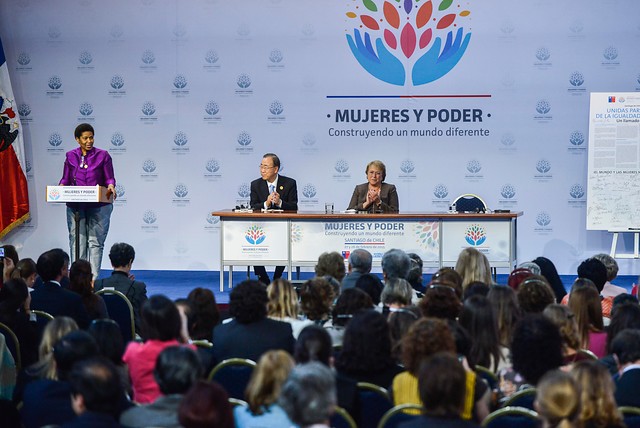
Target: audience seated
x: 558, y: 400
x: 517, y: 276
x: 595, y: 271
x: 331, y: 264
x: 597, y: 403
x: 399, y: 322
x: 81, y: 282
x: 283, y: 305
x: 309, y: 395
x: 205, y: 314
x: 366, y: 350
x: 506, y: 310
x: 206, y: 404
x: 96, y: 394
x: 250, y: 333
x: 9, y: 262
x: 263, y: 391
x: 472, y: 265
x: 609, y: 290
x: 563, y: 318
x: 440, y: 301
x: 549, y: 271
x: 534, y: 294
x: 47, y: 401
x: 415, y: 273
x: 176, y: 370
x: 350, y: 302
x: 626, y: 315
x: 15, y: 313
x: 478, y: 319
x: 626, y: 347
x: 316, y: 299
x: 448, y: 276
x: 584, y: 302
x: 160, y: 329
x: 359, y: 264
x: 108, y: 337
x: 50, y: 296
x: 396, y: 264
x: 397, y: 293
x: 121, y: 279
x: 27, y: 271
x: 371, y: 284
x: 476, y: 288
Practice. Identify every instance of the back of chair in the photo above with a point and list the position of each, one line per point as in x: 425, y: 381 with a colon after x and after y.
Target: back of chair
x: 488, y: 376
x: 374, y: 403
x: 469, y: 202
x: 42, y: 319
x: 233, y: 375
x: 512, y: 416
x: 342, y: 419
x: 12, y: 344
x: 631, y: 416
x: 524, y: 398
x: 121, y: 311
x: 397, y: 415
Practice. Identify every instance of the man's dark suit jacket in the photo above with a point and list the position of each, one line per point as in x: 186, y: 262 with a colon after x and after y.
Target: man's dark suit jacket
x: 46, y: 402
x: 627, y: 387
x: 52, y: 298
x: 287, y: 189
x: 388, y: 197
x: 136, y: 291
x: 236, y: 340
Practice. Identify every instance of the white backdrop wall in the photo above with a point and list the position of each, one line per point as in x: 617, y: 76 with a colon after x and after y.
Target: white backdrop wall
x: 188, y: 95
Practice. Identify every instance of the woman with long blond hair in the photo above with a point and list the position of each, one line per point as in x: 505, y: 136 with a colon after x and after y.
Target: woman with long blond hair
x: 263, y: 391
x: 473, y: 266
x: 283, y: 305
x: 557, y: 400
x: 598, y: 404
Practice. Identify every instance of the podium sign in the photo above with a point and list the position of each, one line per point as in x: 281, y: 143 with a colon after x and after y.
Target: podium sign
x: 65, y: 194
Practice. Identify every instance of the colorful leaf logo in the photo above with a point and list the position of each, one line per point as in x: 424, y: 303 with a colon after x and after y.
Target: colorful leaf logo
x: 255, y: 235
x: 475, y: 235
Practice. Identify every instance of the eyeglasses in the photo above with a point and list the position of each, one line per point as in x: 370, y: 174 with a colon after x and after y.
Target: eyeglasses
x: 264, y: 167
x: 376, y: 173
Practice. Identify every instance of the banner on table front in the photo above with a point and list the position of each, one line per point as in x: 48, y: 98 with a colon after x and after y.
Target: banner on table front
x: 251, y: 240
x: 491, y: 238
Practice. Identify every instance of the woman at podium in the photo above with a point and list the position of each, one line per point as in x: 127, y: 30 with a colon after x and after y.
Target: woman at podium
x: 375, y: 195
x: 87, y: 165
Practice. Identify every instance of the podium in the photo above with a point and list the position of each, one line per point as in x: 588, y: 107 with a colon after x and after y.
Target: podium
x: 84, y: 194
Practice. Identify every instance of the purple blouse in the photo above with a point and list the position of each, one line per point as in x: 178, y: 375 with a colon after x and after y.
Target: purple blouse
x: 95, y: 168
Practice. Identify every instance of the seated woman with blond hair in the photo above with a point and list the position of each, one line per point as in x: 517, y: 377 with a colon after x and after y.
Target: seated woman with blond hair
x: 283, y: 305
x: 558, y: 400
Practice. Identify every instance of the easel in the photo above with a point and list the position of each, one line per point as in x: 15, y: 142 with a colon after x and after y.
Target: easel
x: 636, y: 244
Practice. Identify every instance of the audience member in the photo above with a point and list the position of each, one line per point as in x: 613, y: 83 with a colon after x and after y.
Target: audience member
x: 549, y: 271
x: 415, y: 273
x: 478, y: 319
x: 331, y: 264
x: 160, y: 329
x: 309, y: 395
x: 50, y: 296
x: 609, y: 290
x: 205, y: 313
x: 26, y: 270
x: 507, y: 311
x: 283, y: 305
x: 108, y: 337
x: 263, y: 391
x: 316, y: 299
x: 476, y: 288
x: 395, y: 265
x: 472, y: 265
x: 563, y: 318
x: 176, y: 370
x: 399, y: 322
x: 448, y: 276
x: 81, y: 282
x: 48, y: 402
x: 626, y: 347
x: 397, y: 293
x: 96, y: 394
x: 349, y: 303
x: 121, y: 256
x: 359, y: 264
x: 440, y: 301
x: 558, y: 400
x: 205, y: 405
x: 534, y: 294
x: 623, y: 316
x: 517, y: 276
x: 596, y: 272
x: 531, y: 267
x: 584, y: 302
x: 15, y: 313
x: 55, y: 329
x: 371, y: 284
x: 366, y: 350
x: 9, y: 262
x: 250, y: 333
x: 597, y: 402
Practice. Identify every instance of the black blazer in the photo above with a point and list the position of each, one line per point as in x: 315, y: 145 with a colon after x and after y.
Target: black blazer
x: 236, y: 340
x: 52, y: 298
x: 627, y: 388
x: 136, y: 291
x: 388, y: 197
x: 287, y: 189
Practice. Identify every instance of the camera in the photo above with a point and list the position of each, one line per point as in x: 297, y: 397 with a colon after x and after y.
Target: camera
x: 1, y: 253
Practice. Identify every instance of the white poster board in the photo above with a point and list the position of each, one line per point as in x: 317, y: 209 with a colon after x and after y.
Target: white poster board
x: 492, y: 238
x: 256, y: 240
x: 613, y: 185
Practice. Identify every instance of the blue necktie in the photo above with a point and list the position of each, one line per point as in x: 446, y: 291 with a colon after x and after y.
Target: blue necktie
x: 271, y: 188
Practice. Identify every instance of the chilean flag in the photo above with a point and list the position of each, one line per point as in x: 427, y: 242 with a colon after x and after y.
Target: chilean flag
x: 14, y: 198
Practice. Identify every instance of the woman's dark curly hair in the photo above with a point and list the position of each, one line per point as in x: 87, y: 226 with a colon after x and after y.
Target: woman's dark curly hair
x: 534, y: 294
x: 316, y: 298
x: 440, y: 301
x: 449, y: 276
x: 350, y: 302
x: 248, y: 301
x: 536, y: 347
x: 366, y: 346
x: 424, y: 338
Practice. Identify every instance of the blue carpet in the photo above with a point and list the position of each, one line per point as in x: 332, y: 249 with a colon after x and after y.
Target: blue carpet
x: 178, y: 284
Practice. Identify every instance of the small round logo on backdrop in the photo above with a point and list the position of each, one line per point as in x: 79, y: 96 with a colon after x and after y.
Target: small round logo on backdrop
x: 212, y: 219
x: 341, y: 166
x: 388, y: 36
x: 576, y: 138
x: 54, y: 33
x: 276, y: 108
x: 255, y: 235
x: 407, y: 166
x: 244, y: 139
x: 180, y: 139
x: 475, y: 235
x: 474, y: 166
x: 576, y: 27
x: 181, y: 190
x: 85, y: 109
x: 116, y: 32
x: 543, y: 54
x: 276, y: 56
x: 543, y: 219
x: 508, y: 140
x: 55, y: 139
x: 117, y: 82
x: 308, y: 30
x: 243, y: 81
x: 543, y: 166
x: 180, y: 81
x: 55, y: 83
x: 24, y: 110
x: 244, y: 190
x: 212, y: 166
x: 508, y: 191
x: 117, y: 139
x: 243, y: 30
x: 149, y: 217
x: 85, y: 58
x: 23, y: 58
x: 211, y: 57
x: 543, y: 107
x: 308, y: 139
x: 149, y: 166
x: 507, y: 28
x: 576, y: 79
x: 212, y: 108
x: 148, y: 108
x: 148, y: 57
x: 440, y: 191
x: 610, y: 53
x: 180, y: 31
x: 309, y: 191
x: 576, y: 191
x: 120, y: 191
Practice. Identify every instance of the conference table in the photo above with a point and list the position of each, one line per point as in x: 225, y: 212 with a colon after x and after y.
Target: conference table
x: 297, y: 238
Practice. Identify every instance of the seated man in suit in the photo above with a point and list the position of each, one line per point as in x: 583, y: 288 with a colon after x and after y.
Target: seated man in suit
x: 359, y: 264
x: 122, y: 256
x: 50, y: 296
x: 250, y: 333
x: 276, y: 191
x: 626, y: 347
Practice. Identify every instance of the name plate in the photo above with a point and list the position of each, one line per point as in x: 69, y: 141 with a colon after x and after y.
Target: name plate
x: 65, y: 194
